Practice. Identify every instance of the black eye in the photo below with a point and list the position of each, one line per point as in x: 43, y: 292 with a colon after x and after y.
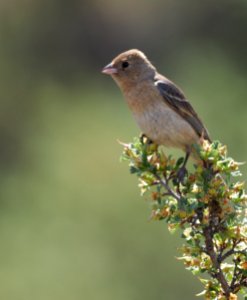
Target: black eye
x: 125, y: 64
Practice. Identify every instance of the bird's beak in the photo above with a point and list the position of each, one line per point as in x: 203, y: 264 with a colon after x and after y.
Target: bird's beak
x: 109, y: 69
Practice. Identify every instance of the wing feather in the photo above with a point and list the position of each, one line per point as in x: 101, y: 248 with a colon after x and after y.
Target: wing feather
x: 174, y: 97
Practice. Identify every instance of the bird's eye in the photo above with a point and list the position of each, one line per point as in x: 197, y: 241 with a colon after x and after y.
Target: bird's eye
x: 125, y: 64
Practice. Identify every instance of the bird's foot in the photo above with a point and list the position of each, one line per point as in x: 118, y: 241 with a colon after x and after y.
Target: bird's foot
x: 145, y: 140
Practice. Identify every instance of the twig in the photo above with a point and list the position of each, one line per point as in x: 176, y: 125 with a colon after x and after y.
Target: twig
x: 211, y: 252
x: 166, y: 186
x: 235, y: 275
x: 231, y: 252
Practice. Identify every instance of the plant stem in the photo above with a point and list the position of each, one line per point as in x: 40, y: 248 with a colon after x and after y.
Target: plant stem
x: 166, y: 186
x: 207, y: 232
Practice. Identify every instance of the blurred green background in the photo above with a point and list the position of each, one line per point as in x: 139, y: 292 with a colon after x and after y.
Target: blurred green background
x: 72, y: 224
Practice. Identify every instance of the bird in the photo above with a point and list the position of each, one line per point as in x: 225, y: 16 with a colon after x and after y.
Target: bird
x: 160, y: 108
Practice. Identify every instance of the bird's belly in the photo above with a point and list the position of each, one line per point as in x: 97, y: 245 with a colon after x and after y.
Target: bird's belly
x: 165, y: 127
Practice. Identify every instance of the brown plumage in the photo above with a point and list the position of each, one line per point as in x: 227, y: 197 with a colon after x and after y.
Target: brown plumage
x: 159, y: 107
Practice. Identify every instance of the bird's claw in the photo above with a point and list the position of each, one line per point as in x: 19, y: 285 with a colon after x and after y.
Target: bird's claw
x: 145, y: 140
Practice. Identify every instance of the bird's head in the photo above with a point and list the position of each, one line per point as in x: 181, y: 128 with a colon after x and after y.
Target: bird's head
x: 130, y: 67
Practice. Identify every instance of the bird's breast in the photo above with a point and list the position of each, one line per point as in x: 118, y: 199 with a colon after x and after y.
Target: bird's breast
x: 157, y: 120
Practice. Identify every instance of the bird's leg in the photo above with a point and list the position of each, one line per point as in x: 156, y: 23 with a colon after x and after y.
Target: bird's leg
x: 182, y: 170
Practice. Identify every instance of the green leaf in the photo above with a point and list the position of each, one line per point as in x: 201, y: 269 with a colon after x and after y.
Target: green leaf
x: 134, y: 170
x: 179, y: 162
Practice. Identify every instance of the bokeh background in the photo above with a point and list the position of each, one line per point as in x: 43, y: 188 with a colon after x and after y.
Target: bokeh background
x: 72, y: 222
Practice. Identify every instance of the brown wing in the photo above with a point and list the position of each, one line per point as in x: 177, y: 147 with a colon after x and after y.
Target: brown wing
x: 174, y: 97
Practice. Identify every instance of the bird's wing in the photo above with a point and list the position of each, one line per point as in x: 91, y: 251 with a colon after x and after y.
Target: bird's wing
x: 174, y: 97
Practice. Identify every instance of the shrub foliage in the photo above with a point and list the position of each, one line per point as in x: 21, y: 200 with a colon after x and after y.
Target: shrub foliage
x: 208, y: 206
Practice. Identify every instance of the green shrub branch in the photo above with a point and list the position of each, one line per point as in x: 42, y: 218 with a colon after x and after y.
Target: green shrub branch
x: 208, y: 206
